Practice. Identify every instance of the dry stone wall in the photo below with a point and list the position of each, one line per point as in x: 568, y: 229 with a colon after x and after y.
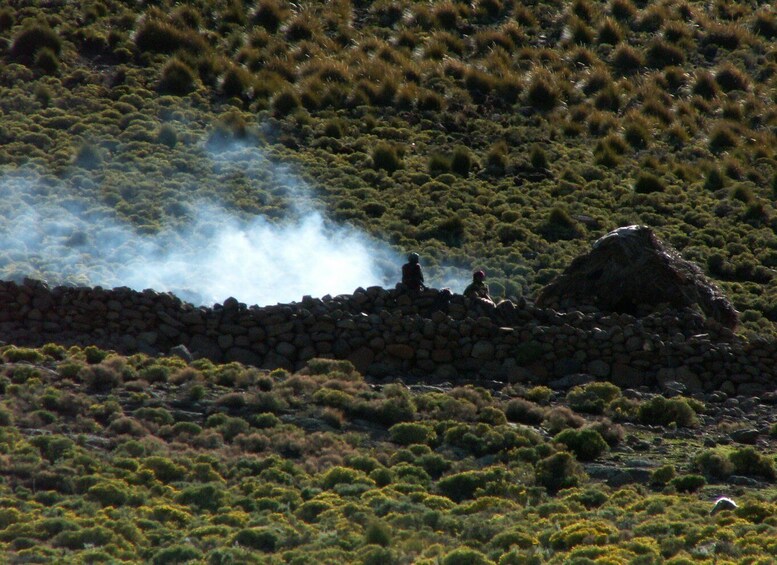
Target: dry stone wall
x: 392, y: 333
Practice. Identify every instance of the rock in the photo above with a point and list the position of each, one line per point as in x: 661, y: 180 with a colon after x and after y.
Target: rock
x: 181, y: 351
x: 400, y: 350
x: 723, y: 503
x: 361, y: 359
x: 747, y: 436
x: 203, y: 347
x: 483, y: 350
x: 599, y: 368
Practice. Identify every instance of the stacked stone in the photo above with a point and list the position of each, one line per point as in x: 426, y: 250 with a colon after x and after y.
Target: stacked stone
x: 389, y: 333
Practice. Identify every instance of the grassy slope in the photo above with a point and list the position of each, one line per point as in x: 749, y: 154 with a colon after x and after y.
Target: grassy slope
x: 137, y: 459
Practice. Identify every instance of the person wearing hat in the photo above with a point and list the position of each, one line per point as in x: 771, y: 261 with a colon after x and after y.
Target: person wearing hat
x: 412, y: 277
x: 478, y: 288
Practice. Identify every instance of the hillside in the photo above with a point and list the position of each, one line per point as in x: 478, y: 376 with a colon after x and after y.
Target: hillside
x: 149, y: 460
x: 228, y: 153
x: 494, y: 134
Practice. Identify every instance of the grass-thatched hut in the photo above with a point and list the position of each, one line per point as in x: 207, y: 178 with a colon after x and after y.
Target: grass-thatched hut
x: 630, y: 270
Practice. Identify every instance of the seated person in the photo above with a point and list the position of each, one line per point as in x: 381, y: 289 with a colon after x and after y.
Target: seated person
x: 412, y: 277
x: 478, y: 289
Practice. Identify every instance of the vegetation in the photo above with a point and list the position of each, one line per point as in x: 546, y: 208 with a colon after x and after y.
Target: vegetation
x: 493, y: 133
x: 542, y: 126
x: 142, y: 470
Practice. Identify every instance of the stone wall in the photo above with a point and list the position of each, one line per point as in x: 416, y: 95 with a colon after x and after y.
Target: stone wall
x: 391, y: 333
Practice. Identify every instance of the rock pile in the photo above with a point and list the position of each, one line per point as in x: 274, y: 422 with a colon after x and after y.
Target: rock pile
x: 391, y: 333
x: 630, y: 270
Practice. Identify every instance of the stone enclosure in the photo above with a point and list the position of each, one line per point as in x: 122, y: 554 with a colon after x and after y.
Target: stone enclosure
x: 389, y: 333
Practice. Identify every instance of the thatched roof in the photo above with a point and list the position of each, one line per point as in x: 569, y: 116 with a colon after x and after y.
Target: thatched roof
x: 630, y: 270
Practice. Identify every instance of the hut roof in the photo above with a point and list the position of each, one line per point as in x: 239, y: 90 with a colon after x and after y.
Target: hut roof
x: 630, y: 270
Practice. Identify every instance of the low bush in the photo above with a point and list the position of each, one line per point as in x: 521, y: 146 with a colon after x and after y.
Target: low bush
x: 662, y: 411
x: 688, y: 483
x: 587, y: 444
x: 558, y: 471
x: 386, y: 157
x: 32, y: 39
x: 592, y: 397
x: 524, y: 412
x: 178, y: 79
x: 407, y: 433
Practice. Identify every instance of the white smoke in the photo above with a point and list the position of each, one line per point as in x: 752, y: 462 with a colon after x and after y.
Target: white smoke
x: 50, y: 234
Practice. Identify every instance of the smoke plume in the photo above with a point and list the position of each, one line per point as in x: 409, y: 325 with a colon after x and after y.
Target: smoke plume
x: 51, y: 234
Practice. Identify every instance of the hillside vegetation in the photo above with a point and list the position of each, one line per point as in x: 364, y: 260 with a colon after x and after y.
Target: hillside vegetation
x: 136, y: 459
x: 495, y: 134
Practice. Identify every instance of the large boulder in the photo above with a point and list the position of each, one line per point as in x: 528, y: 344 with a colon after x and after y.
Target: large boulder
x: 630, y: 270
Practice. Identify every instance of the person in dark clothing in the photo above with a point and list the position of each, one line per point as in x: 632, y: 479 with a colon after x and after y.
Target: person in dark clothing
x: 412, y: 277
x: 478, y: 289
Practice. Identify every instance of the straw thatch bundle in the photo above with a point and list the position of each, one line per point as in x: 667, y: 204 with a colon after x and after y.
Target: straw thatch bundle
x: 630, y: 270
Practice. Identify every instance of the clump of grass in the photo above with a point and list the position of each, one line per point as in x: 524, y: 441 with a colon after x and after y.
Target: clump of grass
x: 622, y: 10
x: 542, y: 93
x: 610, y: 32
x: 155, y: 36
x: 386, y: 157
x: 285, y: 102
x: 32, y: 39
x: 729, y: 78
x: 660, y: 54
x: 705, y: 85
x: 627, y: 59
x: 722, y: 138
x: 648, y: 183
x: 269, y: 14
x: 177, y: 78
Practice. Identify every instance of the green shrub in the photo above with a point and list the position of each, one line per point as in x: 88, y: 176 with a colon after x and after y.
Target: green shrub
x: 177, y: 78
x: 108, y: 493
x: 714, y: 464
x: 94, y: 354
x: 22, y: 354
x: 99, y: 377
x: 342, y: 475
x: 79, y: 539
x: 660, y: 411
x: 261, y: 539
x: 662, y: 475
x: 386, y: 157
x: 688, y: 483
x: 164, y: 469
x: 587, y: 444
x: 407, y: 433
x: 540, y: 394
x: 747, y: 461
x: 592, y: 397
x: 524, y: 412
x: 377, y: 533
x: 465, y: 485
x: 47, y: 61
x: 176, y: 554
x: 30, y: 40
x: 558, y: 471
x: 465, y: 556
x: 7, y: 19
x: 648, y: 183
